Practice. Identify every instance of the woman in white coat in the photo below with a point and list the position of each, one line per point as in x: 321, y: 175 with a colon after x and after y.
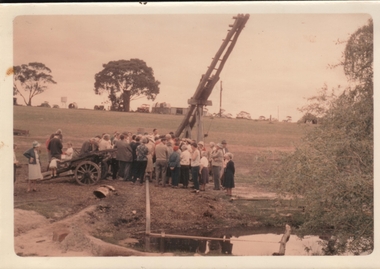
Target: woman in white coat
x: 34, y: 166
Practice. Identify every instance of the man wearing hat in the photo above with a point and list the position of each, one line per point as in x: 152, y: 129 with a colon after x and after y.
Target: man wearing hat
x: 217, y: 164
x: 224, y: 148
x: 86, y: 147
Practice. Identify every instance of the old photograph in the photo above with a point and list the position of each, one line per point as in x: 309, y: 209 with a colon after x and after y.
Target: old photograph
x: 195, y: 135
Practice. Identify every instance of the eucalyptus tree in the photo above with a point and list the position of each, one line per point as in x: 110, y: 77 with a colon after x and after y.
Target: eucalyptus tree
x: 126, y: 80
x: 30, y: 80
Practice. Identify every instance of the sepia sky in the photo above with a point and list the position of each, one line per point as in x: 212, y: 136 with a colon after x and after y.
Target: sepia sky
x: 278, y: 61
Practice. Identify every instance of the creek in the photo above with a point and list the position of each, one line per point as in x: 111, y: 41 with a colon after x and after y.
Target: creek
x: 259, y: 242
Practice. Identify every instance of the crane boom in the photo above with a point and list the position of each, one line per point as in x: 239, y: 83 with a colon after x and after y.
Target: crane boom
x: 210, y: 78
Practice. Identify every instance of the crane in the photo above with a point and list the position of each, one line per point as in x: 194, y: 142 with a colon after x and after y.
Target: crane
x: 209, y: 79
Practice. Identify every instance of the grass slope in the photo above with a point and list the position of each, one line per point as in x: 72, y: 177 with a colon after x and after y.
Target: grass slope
x: 247, y: 139
x: 86, y: 123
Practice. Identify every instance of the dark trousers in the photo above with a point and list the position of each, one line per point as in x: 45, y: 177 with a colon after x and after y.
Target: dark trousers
x: 160, y: 169
x: 125, y: 170
x: 104, y: 169
x: 134, y: 170
x: 140, y: 170
x: 185, y: 175
x: 216, y: 170
x: 195, y: 174
x: 175, y: 176
x: 114, y: 167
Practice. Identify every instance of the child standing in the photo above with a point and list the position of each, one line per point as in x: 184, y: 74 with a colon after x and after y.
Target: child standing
x: 53, y: 167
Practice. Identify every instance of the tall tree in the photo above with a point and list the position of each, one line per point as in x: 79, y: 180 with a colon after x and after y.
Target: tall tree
x: 125, y: 81
x: 32, y: 78
x: 332, y: 168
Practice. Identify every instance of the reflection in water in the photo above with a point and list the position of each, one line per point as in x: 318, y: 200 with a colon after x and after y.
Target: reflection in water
x: 267, y: 244
x: 218, y: 247
x: 191, y: 245
x: 248, y: 245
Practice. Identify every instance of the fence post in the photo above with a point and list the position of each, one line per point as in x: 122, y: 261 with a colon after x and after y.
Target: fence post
x: 147, y: 224
x: 284, y: 240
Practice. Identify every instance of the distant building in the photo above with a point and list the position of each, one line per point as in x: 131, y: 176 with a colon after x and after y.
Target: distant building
x: 165, y: 108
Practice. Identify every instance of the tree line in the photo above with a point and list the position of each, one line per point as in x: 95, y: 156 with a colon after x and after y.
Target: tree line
x: 123, y: 81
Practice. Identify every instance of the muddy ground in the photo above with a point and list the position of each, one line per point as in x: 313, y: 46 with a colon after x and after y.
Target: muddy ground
x: 63, y: 218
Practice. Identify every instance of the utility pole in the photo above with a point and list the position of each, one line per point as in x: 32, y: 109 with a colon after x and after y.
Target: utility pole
x: 220, y: 105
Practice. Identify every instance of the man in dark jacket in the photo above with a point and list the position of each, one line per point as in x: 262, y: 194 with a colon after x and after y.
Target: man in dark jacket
x: 134, y: 144
x: 55, y: 147
x: 125, y: 158
x: 86, y: 147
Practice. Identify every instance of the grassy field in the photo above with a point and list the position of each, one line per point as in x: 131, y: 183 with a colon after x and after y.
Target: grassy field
x: 247, y: 139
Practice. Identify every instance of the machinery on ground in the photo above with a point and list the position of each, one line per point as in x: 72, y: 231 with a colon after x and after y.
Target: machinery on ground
x: 85, y: 169
x: 144, y: 108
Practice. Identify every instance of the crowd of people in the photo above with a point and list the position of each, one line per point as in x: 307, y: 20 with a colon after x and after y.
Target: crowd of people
x: 163, y: 159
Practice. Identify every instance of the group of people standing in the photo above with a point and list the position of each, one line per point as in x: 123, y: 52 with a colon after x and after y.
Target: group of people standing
x: 164, y: 159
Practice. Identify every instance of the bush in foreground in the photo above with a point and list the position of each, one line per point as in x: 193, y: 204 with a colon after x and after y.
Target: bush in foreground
x: 332, y: 168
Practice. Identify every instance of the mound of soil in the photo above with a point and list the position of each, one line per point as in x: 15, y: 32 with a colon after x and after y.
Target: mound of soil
x: 27, y: 220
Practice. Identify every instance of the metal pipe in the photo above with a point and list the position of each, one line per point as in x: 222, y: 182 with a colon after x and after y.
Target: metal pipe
x: 200, y: 125
x: 165, y: 235
x: 220, y: 105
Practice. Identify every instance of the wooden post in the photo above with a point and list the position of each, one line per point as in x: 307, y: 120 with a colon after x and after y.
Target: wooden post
x: 200, y: 123
x: 147, y: 224
x: 162, y: 242
x: 284, y: 240
x: 220, y: 105
x: 188, y: 132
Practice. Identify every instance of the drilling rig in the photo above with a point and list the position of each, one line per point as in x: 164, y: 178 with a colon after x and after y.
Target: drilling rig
x: 209, y: 79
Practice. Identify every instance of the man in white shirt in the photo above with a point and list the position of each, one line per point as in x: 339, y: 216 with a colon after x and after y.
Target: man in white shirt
x: 105, y: 143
